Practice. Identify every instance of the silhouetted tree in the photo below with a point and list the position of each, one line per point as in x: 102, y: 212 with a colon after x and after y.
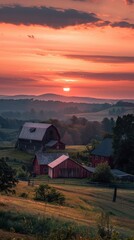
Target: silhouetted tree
x: 7, y: 177
x: 123, y: 143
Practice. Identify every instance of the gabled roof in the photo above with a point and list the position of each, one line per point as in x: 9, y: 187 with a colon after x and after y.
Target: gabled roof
x: 119, y: 173
x: 104, y: 148
x: 46, y: 158
x: 34, y: 131
x: 90, y: 169
x: 51, y: 143
x: 58, y: 161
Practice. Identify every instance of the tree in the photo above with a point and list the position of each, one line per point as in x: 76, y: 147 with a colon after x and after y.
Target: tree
x: 102, y: 173
x: 123, y: 143
x: 7, y: 177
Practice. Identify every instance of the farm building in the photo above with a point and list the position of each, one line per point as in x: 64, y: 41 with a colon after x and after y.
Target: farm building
x: 102, y: 153
x: 64, y: 167
x: 41, y: 161
x: 120, y: 175
x: 39, y: 136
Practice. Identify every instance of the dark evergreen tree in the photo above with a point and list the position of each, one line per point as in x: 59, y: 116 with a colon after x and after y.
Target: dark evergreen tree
x: 123, y: 143
x: 7, y: 177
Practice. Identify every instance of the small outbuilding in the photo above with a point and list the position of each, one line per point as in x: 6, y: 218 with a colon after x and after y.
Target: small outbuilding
x: 41, y: 161
x: 39, y: 136
x: 123, y: 176
x: 65, y: 167
x: 102, y: 153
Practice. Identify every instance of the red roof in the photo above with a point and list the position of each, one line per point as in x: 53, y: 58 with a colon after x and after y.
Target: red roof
x: 58, y: 161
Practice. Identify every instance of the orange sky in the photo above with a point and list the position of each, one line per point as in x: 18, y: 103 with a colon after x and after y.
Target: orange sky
x: 87, y: 46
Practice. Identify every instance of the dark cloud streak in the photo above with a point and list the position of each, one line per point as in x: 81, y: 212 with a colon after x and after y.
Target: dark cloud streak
x: 101, y: 76
x: 45, y: 16
x: 122, y: 24
x: 129, y: 2
x: 54, y: 18
x: 102, y: 58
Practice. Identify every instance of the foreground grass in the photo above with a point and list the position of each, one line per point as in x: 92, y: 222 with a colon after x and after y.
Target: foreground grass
x: 83, y: 205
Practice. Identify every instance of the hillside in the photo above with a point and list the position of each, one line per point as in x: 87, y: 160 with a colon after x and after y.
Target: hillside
x: 83, y: 205
x: 63, y: 98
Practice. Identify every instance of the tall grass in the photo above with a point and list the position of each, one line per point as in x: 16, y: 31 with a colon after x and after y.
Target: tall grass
x: 46, y: 228
x: 43, y: 227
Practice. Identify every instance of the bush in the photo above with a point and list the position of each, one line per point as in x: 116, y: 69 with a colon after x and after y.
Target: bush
x: 102, y: 173
x: 24, y: 195
x: 21, y: 173
x: 48, y: 194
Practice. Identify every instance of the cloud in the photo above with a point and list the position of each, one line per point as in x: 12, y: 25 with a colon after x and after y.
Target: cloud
x: 45, y: 16
x: 122, y: 24
x: 54, y: 18
x: 16, y: 81
x: 102, y: 58
x: 100, y: 76
x: 129, y: 2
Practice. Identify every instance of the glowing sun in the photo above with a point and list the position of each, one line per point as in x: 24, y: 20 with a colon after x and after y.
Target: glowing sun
x: 66, y: 89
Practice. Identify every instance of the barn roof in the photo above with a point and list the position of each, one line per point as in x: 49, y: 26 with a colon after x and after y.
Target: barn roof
x: 120, y: 174
x: 34, y: 131
x: 51, y: 143
x: 104, y: 148
x: 46, y: 158
x: 58, y: 161
x: 90, y: 169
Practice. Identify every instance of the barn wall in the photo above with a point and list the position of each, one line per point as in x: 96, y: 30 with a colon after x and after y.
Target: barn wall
x: 61, y: 146
x: 100, y: 159
x: 29, y: 145
x: 51, y: 134
x: 70, y: 169
x: 36, y: 167
x: 50, y: 172
x: 43, y: 169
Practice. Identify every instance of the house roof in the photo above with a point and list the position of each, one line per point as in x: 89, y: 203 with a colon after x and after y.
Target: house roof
x: 46, y: 158
x: 90, y: 169
x: 34, y: 131
x: 120, y: 174
x: 58, y: 161
x: 104, y: 148
x: 51, y: 143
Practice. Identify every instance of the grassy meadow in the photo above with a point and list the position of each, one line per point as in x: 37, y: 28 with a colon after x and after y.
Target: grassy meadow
x: 83, y: 205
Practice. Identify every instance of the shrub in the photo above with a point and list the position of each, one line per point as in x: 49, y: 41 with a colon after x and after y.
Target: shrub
x: 102, y: 173
x: 24, y: 195
x: 48, y: 194
x: 21, y: 173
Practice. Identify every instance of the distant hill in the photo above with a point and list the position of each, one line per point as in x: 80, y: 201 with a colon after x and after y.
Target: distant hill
x: 62, y: 98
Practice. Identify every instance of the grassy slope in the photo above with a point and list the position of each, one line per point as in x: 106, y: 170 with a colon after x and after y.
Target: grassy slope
x: 83, y: 205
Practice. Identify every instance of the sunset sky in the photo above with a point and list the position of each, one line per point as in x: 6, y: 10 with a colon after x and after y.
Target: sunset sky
x: 84, y: 45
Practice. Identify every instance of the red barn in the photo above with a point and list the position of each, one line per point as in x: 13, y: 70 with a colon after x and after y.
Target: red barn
x: 102, y: 153
x: 39, y: 136
x: 41, y: 161
x: 64, y: 167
